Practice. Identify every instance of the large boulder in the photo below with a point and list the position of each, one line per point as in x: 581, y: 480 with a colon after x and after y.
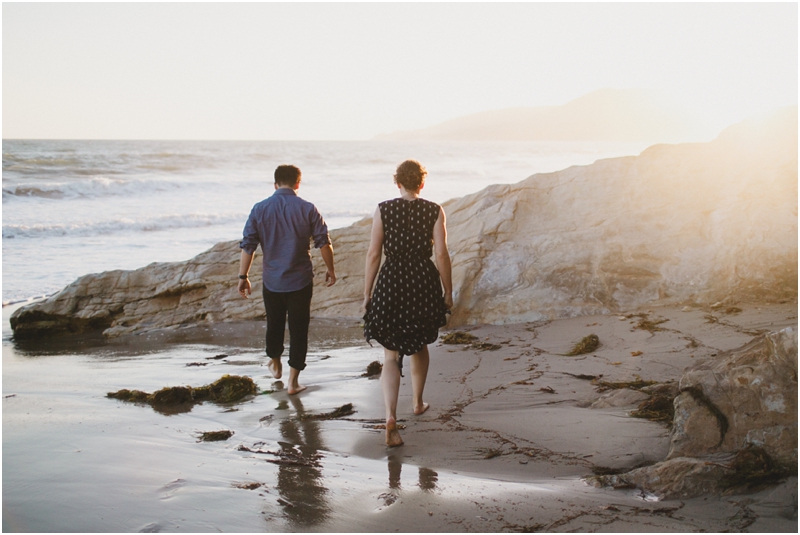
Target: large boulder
x: 700, y: 222
x: 746, y: 397
x: 735, y: 423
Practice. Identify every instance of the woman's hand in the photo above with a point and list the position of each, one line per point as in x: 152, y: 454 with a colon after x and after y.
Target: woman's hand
x: 448, y: 301
x: 365, y: 304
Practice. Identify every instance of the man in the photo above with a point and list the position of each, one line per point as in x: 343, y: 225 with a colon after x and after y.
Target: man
x: 284, y: 224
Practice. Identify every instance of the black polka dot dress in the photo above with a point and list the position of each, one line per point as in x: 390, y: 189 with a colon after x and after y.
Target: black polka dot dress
x: 407, y: 306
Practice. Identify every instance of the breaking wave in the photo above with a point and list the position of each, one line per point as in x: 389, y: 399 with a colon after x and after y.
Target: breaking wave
x: 99, y: 186
x: 121, y: 225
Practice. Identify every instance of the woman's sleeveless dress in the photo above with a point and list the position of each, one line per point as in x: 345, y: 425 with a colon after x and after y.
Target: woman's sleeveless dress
x: 407, y: 307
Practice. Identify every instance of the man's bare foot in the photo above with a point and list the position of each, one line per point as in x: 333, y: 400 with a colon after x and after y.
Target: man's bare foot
x: 276, y: 368
x: 292, y: 390
x: 421, y: 408
x: 392, y: 434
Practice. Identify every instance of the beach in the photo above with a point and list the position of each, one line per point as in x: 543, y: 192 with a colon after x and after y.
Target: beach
x: 610, y: 206
x: 514, y: 429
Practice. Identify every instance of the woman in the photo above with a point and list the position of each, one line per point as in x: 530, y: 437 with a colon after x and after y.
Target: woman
x: 407, y: 306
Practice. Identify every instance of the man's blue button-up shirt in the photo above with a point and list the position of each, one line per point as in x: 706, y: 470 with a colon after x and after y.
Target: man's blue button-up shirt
x: 284, y: 225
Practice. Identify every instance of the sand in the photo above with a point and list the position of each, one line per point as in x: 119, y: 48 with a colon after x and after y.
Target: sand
x: 510, y: 435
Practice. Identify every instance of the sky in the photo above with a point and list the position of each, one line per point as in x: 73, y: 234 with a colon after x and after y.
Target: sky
x: 330, y: 71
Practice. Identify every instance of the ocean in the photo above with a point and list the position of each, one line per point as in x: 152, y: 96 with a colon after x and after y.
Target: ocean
x: 76, y: 207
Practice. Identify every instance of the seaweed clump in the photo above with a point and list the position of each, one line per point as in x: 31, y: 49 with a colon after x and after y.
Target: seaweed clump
x: 174, y: 399
x: 345, y: 410
x: 374, y: 369
x: 646, y: 324
x: 226, y: 389
x: 586, y: 345
x: 657, y: 408
x: 215, y: 436
x: 485, y: 346
x: 459, y: 337
x: 132, y: 396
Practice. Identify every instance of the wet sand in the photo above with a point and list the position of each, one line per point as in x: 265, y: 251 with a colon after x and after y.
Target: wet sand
x: 504, y: 447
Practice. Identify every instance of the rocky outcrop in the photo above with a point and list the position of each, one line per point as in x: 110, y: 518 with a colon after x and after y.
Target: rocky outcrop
x: 692, y: 223
x: 748, y: 397
x: 735, y: 423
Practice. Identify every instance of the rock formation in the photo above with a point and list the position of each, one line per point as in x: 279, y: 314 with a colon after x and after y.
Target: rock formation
x: 691, y: 223
x: 735, y: 424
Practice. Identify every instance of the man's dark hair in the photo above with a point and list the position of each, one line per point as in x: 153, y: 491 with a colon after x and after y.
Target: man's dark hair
x: 287, y: 175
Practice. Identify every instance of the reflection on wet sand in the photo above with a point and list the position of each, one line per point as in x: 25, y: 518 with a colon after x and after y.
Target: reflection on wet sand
x: 303, y: 496
x: 427, y: 479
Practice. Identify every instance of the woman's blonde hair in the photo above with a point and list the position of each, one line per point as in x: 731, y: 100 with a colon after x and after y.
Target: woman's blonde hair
x: 411, y: 175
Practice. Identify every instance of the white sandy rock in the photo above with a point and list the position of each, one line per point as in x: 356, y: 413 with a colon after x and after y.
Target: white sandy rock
x: 746, y: 397
x: 735, y: 422
x: 691, y: 223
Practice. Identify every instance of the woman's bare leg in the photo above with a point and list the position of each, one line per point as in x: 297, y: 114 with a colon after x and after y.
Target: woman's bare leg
x: 390, y: 383
x: 419, y: 373
x: 294, y: 386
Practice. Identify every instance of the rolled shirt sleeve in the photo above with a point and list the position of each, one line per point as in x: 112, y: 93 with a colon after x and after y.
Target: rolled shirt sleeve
x: 249, y: 241
x: 319, y: 230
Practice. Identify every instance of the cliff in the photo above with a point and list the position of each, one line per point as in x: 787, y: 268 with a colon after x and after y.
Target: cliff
x: 690, y: 223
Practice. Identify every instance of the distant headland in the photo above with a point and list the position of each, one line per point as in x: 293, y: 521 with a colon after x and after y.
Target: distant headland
x: 602, y: 115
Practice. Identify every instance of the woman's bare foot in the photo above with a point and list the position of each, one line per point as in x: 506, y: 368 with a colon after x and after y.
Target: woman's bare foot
x: 296, y: 389
x: 276, y: 368
x: 392, y: 434
x: 419, y: 409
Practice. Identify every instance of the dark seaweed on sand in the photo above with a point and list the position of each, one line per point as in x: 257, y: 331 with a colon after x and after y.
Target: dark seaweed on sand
x: 374, y: 369
x: 646, y: 324
x: 586, y: 345
x: 341, y: 412
x: 459, y: 337
x: 215, y: 436
x: 485, y: 346
x: 636, y: 384
x: 226, y: 389
x: 657, y: 408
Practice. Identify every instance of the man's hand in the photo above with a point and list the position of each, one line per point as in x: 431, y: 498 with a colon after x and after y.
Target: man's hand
x: 327, y: 256
x: 244, y: 287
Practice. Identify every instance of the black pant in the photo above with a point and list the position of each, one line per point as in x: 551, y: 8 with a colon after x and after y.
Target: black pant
x: 298, y: 306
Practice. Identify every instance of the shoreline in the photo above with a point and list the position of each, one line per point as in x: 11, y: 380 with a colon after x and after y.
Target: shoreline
x: 505, y: 446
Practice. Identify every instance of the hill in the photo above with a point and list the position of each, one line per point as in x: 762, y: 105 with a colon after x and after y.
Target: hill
x: 603, y: 115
